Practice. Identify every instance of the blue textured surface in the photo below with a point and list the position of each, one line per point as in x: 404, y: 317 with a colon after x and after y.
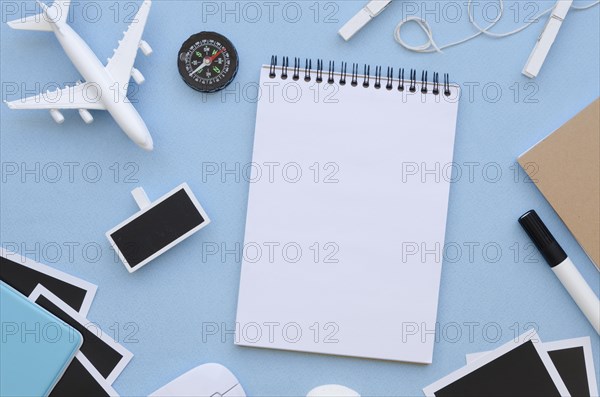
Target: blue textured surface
x: 165, y: 304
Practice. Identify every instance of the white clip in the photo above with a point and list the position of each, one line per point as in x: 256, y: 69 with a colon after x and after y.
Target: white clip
x: 546, y: 39
x: 141, y: 198
x: 358, y: 21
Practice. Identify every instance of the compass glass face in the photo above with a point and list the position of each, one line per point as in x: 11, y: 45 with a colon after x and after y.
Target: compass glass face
x: 208, y: 62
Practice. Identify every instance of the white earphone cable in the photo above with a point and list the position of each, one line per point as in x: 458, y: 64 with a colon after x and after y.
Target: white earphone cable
x: 431, y: 46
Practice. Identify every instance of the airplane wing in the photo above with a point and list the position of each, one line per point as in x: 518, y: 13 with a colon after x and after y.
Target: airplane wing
x: 81, y: 96
x: 121, y: 64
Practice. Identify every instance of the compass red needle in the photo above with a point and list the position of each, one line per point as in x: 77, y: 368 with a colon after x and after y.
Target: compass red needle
x: 216, y: 55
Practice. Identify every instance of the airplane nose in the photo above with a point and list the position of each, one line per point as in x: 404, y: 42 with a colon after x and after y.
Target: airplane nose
x: 133, y: 125
x: 138, y: 132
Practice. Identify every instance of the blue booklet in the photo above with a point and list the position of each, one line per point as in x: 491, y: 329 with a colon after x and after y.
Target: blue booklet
x: 36, y: 347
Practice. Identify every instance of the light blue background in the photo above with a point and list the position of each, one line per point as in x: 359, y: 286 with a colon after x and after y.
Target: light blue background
x: 171, y: 298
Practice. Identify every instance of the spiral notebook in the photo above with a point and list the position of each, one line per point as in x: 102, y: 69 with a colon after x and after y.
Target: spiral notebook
x: 347, y: 208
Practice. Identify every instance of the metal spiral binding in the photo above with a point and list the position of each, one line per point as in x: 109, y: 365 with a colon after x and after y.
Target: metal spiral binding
x: 413, y: 80
x: 343, y: 73
x: 319, y: 70
x: 307, y: 70
x: 390, y: 78
x: 330, y: 79
x: 273, y: 66
x: 436, y: 83
x: 354, y: 81
x: 366, y: 83
x: 284, y: 68
x: 377, y: 77
x: 296, y: 75
x: 401, y: 79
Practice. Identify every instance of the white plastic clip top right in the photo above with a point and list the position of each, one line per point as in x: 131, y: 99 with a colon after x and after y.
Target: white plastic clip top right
x: 358, y: 21
x: 546, y: 39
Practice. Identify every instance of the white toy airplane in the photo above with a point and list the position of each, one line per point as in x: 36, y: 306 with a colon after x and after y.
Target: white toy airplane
x: 106, y: 86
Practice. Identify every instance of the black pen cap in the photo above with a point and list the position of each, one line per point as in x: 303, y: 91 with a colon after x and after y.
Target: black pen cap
x: 542, y: 238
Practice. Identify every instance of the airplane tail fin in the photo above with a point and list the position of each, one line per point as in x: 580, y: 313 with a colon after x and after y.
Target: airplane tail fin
x: 56, y: 14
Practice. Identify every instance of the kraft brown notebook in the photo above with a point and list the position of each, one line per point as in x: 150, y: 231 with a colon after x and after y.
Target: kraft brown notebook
x: 566, y: 168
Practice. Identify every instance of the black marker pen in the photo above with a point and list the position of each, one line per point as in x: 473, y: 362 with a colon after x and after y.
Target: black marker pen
x: 562, y: 266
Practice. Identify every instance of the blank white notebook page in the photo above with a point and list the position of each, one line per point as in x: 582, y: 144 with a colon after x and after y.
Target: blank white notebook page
x: 349, y: 187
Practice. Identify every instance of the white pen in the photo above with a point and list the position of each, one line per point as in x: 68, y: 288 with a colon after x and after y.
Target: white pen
x: 562, y: 266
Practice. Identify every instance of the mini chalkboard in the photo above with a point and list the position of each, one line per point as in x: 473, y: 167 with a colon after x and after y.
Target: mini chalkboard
x: 157, y: 227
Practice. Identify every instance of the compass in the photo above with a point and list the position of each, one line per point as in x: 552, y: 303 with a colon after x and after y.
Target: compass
x: 207, y: 62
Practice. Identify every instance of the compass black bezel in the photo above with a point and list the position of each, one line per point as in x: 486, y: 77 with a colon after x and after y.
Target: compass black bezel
x: 229, y: 76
